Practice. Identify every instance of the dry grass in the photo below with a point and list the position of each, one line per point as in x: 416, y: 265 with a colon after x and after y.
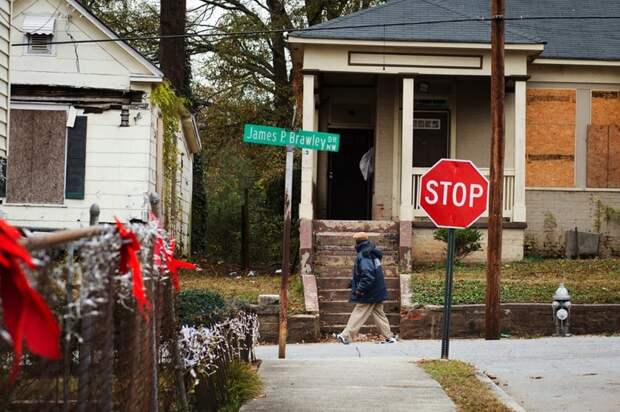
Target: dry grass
x: 588, y: 281
x: 245, y: 287
x: 459, y: 381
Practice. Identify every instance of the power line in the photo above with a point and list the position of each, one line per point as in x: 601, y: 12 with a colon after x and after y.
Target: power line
x: 317, y: 29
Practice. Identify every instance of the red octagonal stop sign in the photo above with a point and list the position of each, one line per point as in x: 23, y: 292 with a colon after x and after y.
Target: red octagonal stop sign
x: 454, y: 193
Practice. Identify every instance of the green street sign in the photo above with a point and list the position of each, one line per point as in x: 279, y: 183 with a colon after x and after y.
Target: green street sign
x: 304, y: 139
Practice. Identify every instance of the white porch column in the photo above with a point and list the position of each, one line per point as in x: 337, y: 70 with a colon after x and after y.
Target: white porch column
x: 406, y: 153
x: 306, y: 207
x: 406, y: 165
x: 518, y: 213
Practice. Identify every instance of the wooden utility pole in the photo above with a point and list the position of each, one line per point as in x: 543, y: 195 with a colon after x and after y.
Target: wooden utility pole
x: 286, y: 252
x: 494, y: 245
x: 172, y: 56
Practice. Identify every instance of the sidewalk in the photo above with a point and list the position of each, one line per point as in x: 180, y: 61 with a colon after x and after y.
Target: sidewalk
x: 362, y: 384
x: 578, y: 373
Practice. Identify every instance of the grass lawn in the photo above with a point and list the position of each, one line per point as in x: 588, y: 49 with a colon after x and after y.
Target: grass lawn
x: 245, y: 287
x: 527, y: 281
x: 459, y: 381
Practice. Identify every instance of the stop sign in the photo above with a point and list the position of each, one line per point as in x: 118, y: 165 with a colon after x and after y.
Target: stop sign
x: 454, y: 193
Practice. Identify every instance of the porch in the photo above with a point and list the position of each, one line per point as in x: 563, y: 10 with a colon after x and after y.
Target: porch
x: 403, y: 125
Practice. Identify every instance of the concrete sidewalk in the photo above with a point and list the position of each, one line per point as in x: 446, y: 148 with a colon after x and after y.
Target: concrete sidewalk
x: 575, y: 374
x: 362, y: 384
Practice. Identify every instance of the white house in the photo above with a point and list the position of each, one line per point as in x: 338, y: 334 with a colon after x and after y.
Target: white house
x: 5, y: 40
x: 83, y: 129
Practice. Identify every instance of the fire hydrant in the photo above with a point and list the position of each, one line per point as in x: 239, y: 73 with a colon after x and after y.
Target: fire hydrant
x: 561, y: 311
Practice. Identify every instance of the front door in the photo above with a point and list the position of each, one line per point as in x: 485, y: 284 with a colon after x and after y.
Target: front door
x: 431, y: 137
x: 349, y: 194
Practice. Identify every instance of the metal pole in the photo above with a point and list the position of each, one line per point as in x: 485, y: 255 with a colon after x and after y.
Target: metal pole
x: 84, y: 368
x: 494, y: 245
x: 447, y: 302
x: 154, y: 201
x: 286, y: 251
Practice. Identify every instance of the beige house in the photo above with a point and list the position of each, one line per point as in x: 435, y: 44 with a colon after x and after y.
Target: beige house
x: 83, y: 127
x: 407, y: 83
x: 418, y: 93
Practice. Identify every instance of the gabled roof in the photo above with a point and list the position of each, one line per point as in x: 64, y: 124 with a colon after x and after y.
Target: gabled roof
x: 589, y: 39
x: 154, y: 70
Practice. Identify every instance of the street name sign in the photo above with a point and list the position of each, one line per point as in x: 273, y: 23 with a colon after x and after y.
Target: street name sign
x: 304, y: 139
x: 454, y: 193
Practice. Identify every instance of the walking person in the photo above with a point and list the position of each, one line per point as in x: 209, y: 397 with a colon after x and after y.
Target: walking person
x: 368, y: 291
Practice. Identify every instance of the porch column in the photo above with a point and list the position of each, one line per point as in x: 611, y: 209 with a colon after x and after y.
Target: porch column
x: 518, y: 212
x: 308, y: 169
x: 406, y: 156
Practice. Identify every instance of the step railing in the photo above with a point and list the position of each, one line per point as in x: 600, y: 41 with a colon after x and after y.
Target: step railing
x: 509, y: 191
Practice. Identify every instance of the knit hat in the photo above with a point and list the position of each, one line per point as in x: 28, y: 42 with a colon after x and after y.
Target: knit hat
x: 360, y: 236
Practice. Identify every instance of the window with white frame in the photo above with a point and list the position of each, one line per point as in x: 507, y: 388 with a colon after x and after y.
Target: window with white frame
x: 39, y: 31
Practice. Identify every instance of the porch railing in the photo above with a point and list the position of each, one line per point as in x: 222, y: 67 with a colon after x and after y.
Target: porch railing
x: 509, y: 190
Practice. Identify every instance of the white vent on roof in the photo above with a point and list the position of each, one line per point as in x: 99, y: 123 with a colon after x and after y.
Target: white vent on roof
x: 35, y: 24
x: 39, y: 44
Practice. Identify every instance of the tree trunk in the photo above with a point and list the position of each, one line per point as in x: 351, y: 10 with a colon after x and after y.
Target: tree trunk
x: 172, y: 50
x: 282, y: 101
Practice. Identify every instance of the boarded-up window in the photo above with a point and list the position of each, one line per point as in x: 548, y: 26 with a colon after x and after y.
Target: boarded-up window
x: 76, y: 159
x: 36, y: 161
x: 603, y: 168
x: 550, y: 147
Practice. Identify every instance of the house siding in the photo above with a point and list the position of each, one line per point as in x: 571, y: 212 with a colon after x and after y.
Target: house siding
x: 96, y: 65
x: 5, y: 19
x: 118, y: 163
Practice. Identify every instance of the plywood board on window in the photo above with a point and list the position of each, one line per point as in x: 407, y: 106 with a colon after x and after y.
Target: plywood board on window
x: 36, y: 165
x: 613, y: 174
x: 598, y: 156
x: 550, y: 173
x: 605, y: 107
x: 550, y: 141
x: 551, y: 106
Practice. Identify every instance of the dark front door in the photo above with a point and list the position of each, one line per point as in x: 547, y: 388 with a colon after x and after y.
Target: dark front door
x: 349, y: 195
x: 431, y: 141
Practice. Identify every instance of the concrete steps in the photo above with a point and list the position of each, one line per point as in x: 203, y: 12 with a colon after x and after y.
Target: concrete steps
x: 334, y: 255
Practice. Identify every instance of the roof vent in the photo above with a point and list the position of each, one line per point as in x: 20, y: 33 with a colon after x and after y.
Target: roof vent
x: 39, y: 44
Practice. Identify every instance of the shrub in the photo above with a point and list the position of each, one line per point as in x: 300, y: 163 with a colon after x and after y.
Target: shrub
x: 466, y: 241
x: 242, y: 385
x: 199, y: 307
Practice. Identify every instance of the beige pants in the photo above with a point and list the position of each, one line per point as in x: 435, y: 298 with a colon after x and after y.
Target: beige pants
x: 360, y: 315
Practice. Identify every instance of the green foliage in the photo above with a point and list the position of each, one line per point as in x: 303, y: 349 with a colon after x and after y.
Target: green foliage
x: 466, y: 241
x: 200, y: 307
x: 242, y: 385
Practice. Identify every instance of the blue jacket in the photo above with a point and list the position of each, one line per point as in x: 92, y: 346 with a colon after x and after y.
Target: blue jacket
x: 368, y: 283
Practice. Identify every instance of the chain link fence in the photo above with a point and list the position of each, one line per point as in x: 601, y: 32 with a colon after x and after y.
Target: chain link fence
x: 115, y: 356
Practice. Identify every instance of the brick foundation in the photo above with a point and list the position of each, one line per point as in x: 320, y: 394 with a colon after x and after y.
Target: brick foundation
x: 517, y: 319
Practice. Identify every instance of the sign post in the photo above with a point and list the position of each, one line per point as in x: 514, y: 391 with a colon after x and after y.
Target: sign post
x: 454, y: 194
x: 304, y: 139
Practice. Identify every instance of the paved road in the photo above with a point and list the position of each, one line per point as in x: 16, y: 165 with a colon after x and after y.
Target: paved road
x: 569, y: 374
x: 353, y: 384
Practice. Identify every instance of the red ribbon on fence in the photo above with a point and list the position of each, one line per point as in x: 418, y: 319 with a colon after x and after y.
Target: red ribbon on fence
x: 26, y: 315
x: 129, y: 261
x: 164, y: 258
x: 175, y: 264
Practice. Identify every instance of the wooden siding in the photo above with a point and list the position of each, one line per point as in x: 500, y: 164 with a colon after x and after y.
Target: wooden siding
x: 117, y: 176
x: 99, y: 65
x: 5, y: 18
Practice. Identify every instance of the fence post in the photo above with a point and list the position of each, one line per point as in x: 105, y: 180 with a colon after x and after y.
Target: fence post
x: 154, y: 201
x: 176, y: 358
x: 84, y: 368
